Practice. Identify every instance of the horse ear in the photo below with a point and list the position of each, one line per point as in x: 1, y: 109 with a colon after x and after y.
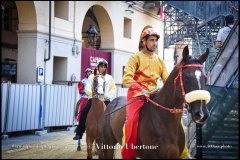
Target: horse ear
x: 95, y: 71
x: 204, y: 56
x: 185, y: 54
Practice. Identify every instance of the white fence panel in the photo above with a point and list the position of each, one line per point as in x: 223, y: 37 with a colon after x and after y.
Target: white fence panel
x: 60, y: 101
x: 4, y: 94
x: 21, y: 105
x: 23, y: 108
x: 122, y: 91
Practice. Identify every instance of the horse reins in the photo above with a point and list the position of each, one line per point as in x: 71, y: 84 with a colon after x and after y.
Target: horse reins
x: 174, y: 110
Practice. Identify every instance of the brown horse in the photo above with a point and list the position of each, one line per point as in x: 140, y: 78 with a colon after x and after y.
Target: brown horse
x: 95, y: 116
x: 160, y: 133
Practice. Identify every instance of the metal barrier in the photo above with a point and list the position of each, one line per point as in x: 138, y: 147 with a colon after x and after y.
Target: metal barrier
x: 121, y: 91
x: 59, y: 105
x: 4, y: 98
x: 32, y: 106
x: 21, y: 107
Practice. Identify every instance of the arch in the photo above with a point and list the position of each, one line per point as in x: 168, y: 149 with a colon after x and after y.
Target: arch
x: 27, y: 15
x: 105, y: 26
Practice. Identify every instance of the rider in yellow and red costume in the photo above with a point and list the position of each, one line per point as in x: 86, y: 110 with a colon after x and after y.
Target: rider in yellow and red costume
x: 140, y: 75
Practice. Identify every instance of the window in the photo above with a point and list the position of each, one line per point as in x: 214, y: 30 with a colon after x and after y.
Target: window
x: 60, y: 68
x: 61, y: 9
x: 127, y: 28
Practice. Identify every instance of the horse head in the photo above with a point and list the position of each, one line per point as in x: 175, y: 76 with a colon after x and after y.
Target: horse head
x: 192, y: 85
x: 98, y: 86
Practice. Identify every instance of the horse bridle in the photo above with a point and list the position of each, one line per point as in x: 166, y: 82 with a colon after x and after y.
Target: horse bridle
x: 185, y: 104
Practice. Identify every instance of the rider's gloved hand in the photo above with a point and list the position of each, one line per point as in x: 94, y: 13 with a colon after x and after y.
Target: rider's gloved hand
x: 145, y: 92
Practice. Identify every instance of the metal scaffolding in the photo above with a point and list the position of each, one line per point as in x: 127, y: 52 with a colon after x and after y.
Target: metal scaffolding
x: 194, y: 23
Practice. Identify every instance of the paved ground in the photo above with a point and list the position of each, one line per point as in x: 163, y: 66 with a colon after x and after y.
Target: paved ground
x: 53, y: 145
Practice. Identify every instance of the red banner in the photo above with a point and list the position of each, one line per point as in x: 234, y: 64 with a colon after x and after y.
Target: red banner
x: 90, y: 58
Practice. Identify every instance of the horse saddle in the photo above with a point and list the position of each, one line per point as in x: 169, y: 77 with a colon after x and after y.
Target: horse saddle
x: 116, y: 104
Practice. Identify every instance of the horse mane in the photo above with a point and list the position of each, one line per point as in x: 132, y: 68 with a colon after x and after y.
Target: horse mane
x: 95, y: 72
x: 170, y: 80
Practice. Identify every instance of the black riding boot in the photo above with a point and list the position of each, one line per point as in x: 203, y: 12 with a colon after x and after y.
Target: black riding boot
x: 81, y: 124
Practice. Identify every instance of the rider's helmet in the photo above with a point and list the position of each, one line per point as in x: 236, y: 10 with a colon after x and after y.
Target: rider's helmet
x: 103, y: 62
x: 149, y: 32
x: 88, y: 70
